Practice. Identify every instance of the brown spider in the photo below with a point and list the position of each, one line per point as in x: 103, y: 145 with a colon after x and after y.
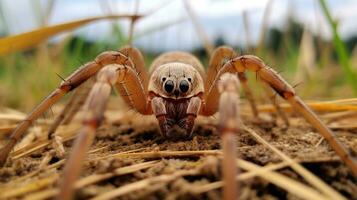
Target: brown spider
x: 176, y: 91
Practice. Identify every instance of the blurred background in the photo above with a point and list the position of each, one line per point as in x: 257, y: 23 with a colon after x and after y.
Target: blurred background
x: 312, y: 43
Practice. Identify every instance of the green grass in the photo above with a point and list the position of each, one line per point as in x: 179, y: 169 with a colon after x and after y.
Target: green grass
x: 27, y: 77
x: 340, y: 48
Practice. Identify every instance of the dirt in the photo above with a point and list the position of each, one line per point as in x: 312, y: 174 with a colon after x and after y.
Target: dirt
x: 131, y: 132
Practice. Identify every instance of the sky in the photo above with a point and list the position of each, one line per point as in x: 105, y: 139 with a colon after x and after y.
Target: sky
x: 219, y: 18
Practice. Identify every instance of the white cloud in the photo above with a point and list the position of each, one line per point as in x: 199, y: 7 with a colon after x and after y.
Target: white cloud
x: 219, y: 18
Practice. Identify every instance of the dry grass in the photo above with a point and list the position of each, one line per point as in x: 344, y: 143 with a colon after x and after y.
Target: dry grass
x: 39, y: 182
x: 129, y: 161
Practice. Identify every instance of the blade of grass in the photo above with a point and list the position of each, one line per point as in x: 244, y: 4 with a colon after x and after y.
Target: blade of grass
x: 27, y: 40
x: 108, y: 7
x: 247, y: 31
x: 95, y: 178
x: 315, y: 106
x: 209, y: 46
x: 14, y: 192
x: 3, y: 19
x: 240, y: 177
x: 132, y: 23
x: 308, y: 176
x: 160, y: 27
x: 144, y: 183
x: 340, y: 47
x: 294, y: 187
x: 264, y: 27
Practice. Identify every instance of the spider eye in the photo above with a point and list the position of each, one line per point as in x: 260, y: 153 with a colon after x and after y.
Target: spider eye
x: 163, y: 79
x: 169, y: 86
x: 184, y: 86
x: 189, y: 79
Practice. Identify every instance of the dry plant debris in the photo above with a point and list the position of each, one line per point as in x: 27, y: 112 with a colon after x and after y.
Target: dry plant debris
x: 129, y: 159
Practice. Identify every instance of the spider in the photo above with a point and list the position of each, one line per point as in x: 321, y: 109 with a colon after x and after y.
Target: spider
x: 176, y: 90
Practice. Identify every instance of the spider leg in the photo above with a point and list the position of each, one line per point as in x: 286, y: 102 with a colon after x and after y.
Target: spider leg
x: 220, y: 56
x: 123, y: 77
x: 135, y: 94
x: 229, y: 122
x: 74, y: 80
x: 272, y: 96
x: 62, y: 115
x: 248, y: 92
x: 72, y: 106
x: 94, y: 108
x: 275, y: 81
x: 67, y: 114
x: 136, y: 61
x: 79, y: 101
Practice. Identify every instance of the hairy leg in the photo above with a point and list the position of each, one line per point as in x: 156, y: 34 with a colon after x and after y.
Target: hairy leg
x: 135, y: 93
x: 229, y: 127
x: 249, y: 94
x: 71, y: 106
x: 219, y: 57
x: 275, y: 81
x: 134, y: 59
x: 62, y: 115
x: 74, y: 80
x: 79, y: 101
x: 272, y: 97
x: 94, y: 108
x: 67, y: 114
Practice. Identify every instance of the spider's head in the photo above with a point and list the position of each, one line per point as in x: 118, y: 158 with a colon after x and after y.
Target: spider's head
x: 176, y: 81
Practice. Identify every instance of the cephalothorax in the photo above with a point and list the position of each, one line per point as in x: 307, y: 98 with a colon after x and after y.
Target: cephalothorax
x: 176, y: 90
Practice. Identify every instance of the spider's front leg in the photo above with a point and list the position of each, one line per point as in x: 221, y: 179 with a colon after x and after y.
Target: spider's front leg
x: 229, y: 126
x: 94, y: 108
x: 274, y: 80
x: 219, y: 57
x: 133, y: 59
x: 73, y: 81
x: 130, y: 85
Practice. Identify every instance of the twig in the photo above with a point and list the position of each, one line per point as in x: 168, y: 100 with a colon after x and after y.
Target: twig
x: 309, y: 177
x: 240, y: 177
x: 294, y: 187
x: 164, y: 154
x: 89, y: 180
x: 33, y: 186
x: 139, y: 185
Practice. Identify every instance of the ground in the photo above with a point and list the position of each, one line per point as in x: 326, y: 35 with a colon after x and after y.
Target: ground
x: 130, y: 157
